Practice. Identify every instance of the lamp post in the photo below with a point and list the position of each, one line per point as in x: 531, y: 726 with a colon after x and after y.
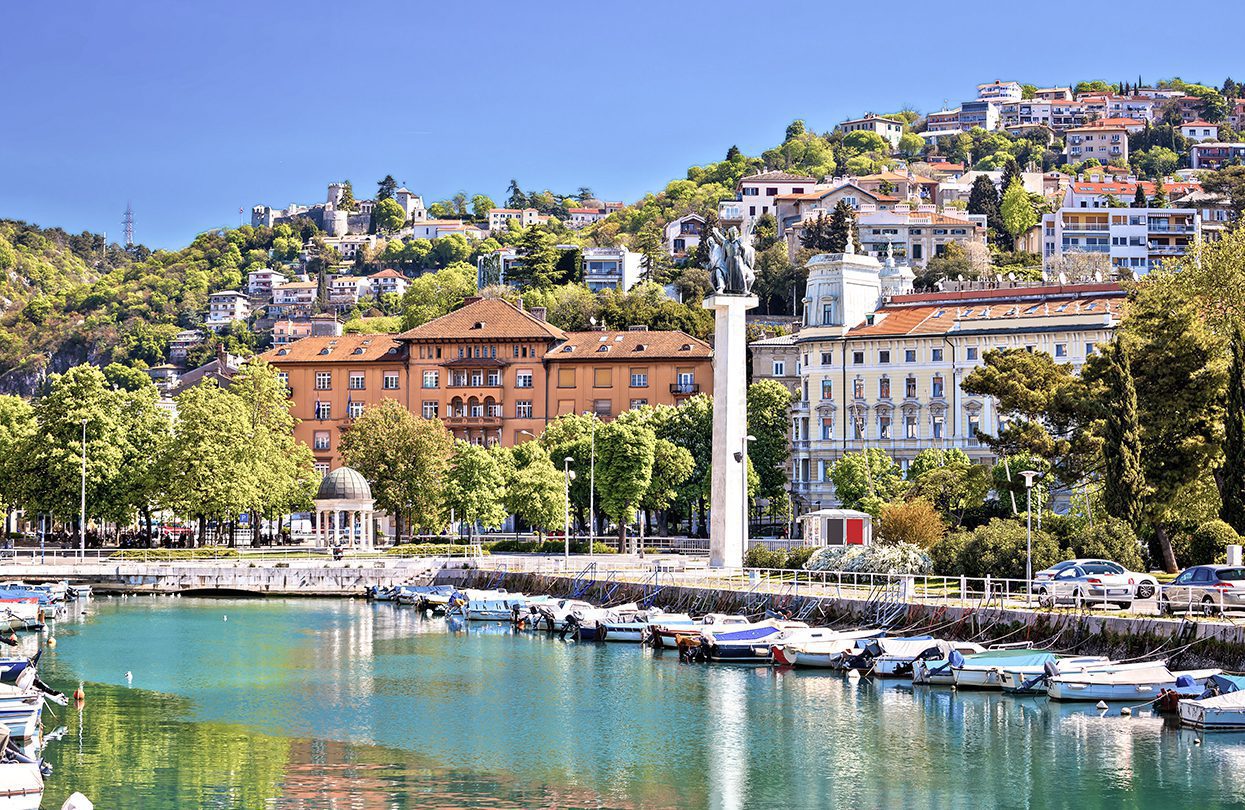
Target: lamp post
x: 82, y: 521
x: 1029, y: 475
x: 568, y: 475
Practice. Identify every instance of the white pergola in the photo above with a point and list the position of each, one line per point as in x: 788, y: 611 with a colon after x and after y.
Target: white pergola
x: 345, y: 511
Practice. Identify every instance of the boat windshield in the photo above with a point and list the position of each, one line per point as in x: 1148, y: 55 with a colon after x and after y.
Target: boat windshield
x: 1232, y: 574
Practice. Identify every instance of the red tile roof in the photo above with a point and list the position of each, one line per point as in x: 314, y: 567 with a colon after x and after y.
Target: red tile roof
x: 341, y: 349
x: 485, y: 319
x: 623, y: 346
x: 1123, y: 187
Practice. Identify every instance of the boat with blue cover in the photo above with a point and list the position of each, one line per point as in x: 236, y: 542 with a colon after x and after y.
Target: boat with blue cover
x: 750, y: 642
x: 1220, y: 707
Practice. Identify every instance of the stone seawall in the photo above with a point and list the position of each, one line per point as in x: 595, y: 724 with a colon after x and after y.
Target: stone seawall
x: 1187, y: 644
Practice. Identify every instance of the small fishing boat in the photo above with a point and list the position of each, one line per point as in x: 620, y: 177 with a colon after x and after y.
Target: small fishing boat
x: 21, y: 613
x: 889, y: 657
x: 824, y: 653
x: 751, y: 642
x: 47, y: 594
x: 502, y: 608
x: 938, y: 671
x: 552, y: 615
x: 1220, y: 707
x: 666, y: 636
x: 784, y: 649
x: 1032, y: 681
x: 588, y: 623
x: 1133, y: 685
x: 635, y: 629
x: 984, y: 670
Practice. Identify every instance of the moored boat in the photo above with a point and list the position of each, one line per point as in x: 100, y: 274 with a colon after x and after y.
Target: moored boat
x: 666, y: 636
x: 1133, y: 685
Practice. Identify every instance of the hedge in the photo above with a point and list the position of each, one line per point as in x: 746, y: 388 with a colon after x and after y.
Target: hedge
x: 159, y: 554
x: 430, y: 550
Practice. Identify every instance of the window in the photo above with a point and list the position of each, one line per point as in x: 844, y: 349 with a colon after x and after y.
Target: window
x: 602, y: 407
x: 938, y: 421
x: 884, y: 388
x: 858, y: 358
x: 827, y: 314
x: 477, y: 378
x: 936, y: 387
x: 639, y: 378
x: 324, y: 380
x: 431, y: 379
x: 884, y: 356
x: 523, y: 379
x: 935, y: 355
x: 1089, y: 349
x: 909, y: 388
x: 827, y: 389
x: 566, y: 378
x: 493, y: 410
x: 602, y: 378
x: 884, y: 427
x: 321, y: 441
x: 354, y: 409
x: 638, y: 403
x: 523, y: 409
x: 494, y: 378
x: 284, y: 377
x: 858, y: 427
x: 909, y: 355
x: 780, y: 369
x: 356, y: 381
x: 1061, y: 349
x: 858, y: 388
x: 974, y: 424
x: 390, y: 381
x: 324, y: 410
x: 825, y: 358
x: 321, y: 468
x: 971, y: 353
x: 909, y: 426
x: 476, y: 410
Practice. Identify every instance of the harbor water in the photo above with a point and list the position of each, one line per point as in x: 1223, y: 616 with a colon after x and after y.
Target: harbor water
x: 344, y: 704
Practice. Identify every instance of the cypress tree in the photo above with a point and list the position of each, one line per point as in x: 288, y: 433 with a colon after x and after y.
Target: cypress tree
x: 1011, y: 174
x: 1232, y: 473
x: 816, y: 235
x: 1139, y: 199
x: 983, y: 198
x: 842, y: 228
x: 1124, y: 488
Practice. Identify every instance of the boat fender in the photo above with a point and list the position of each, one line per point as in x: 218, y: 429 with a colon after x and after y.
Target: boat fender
x: 1126, y: 711
x: 79, y: 696
x: 1101, y: 706
x: 51, y: 641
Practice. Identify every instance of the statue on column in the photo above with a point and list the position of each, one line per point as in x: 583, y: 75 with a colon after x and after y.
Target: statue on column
x: 730, y: 261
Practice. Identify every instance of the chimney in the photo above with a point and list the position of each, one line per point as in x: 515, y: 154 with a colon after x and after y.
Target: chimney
x: 540, y: 313
x: 221, y: 356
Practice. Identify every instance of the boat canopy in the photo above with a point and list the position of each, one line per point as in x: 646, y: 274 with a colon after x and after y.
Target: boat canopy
x: 1000, y: 658
x: 1224, y: 684
x: 1231, y: 700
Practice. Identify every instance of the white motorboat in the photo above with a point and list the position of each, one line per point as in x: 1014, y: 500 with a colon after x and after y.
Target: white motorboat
x: 21, y: 777
x: 21, y: 613
x: 501, y: 607
x: 552, y: 615
x: 666, y: 636
x: 1032, y: 680
x: 634, y: 629
x: 20, y: 714
x: 1132, y: 685
x: 893, y: 657
x: 588, y: 623
x: 816, y: 638
x: 1220, y: 708
x: 750, y: 642
x: 824, y: 654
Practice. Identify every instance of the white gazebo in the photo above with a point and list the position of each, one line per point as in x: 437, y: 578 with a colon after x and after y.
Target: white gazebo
x: 344, y: 510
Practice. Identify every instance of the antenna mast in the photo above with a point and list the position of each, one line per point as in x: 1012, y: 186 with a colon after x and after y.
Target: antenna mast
x: 128, y: 222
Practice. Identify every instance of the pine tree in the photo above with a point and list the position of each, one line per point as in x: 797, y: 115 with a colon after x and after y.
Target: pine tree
x: 816, y: 234
x: 732, y: 153
x: 842, y: 228
x: 1232, y: 473
x: 1011, y: 174
x: 1139, y: 199
x: 1124, y: 487
x: 1160, y: 195
x: 385, y: 188
x: 983, y: 198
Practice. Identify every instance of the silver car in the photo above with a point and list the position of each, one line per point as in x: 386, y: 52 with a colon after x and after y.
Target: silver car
x: 1088, y: 583
x: 1144, y: 585
x: 1210, y: 589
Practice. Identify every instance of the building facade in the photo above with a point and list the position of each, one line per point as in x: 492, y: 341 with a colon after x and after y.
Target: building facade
x: 490, y: 371
x: 225, y: 307
x: 1104, y: 143
x: 1215, y: 155
x: 889, y: 129
x: 1134, y: 240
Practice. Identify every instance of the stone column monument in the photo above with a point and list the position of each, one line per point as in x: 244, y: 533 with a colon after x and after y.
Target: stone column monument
x: 730, y: 267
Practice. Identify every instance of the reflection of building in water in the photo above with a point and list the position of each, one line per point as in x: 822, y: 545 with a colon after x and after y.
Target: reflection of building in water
x: 727, y: 738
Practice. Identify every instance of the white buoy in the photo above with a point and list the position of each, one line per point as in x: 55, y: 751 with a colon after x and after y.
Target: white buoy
x: 226, y: 618
x: 1197, y: 740
x: 129, y: 676
x: 1102, y: 706
x: 1126, y: 711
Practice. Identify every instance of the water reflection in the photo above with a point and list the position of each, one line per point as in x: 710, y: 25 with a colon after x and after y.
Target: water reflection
x: 314, y: 704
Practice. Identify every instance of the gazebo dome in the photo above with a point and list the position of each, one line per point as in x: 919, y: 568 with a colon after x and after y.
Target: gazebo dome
x: 344, y: 483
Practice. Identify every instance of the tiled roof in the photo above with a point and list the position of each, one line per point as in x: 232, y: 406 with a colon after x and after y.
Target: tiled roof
x: 896, y: 176
x: 765, y: 177
x: 297, y: 285
x: 947, y: 167
x: 1095, y: 127
x: 623, y: 346
x: 1199, y: 123
x: 388, y: 272
x: 485, y: 319
x: 996, y: 312
x: 1116, y: 122
x: 1124, y: 187
x: 341, y: 349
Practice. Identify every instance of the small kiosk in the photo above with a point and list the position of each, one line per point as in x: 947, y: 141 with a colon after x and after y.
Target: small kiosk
x: 837, y: 527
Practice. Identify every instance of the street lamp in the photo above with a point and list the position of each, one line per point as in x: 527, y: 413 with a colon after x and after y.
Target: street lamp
x: 569, y: 475
x: 82, y: 522
x: 1029, y: 475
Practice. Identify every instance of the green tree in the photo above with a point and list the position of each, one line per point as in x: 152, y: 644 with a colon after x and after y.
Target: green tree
x: 1231, y: 474
x: 126, y: 378
x: 17, y: 428
x: 1124, y: 478
x: 983, y: 198
x: 538, y: 265
x: 655, y: 261
x: 481, y: 205
x: 535, y: 489
x: 1139, y: 197
x: 1017, y: 211
x: 347, y: 201
x: 388, y: 215
x: 434, y: 294
x: 1156, y: 163
x: 843, y: 228
x: 1229, y: 184
x: 1209, y: 543
x: 624, y: 471
x: 865, y: 479
x: 405, y: 460
x: 911, y: 145
x: 815, y: 235
x: 768, y: 404
x: 476, y: 485
x: 385, y: 188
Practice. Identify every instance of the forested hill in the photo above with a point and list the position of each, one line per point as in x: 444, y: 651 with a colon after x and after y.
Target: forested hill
x: 67, y: 299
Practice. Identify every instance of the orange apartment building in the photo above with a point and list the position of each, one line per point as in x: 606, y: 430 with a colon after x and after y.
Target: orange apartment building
x: 491, y: 371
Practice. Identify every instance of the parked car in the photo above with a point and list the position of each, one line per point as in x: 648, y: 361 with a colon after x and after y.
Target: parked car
x: 1086, y: 582
x: 1145, y: 585
x: 1210, y: 589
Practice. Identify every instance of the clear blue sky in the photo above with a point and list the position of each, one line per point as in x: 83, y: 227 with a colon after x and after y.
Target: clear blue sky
x: 191, y: 110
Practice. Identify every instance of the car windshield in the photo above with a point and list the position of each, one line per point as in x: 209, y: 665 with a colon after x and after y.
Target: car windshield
x: 1063, y: 565
x: 1232, y: 574
x: 1098, y: 568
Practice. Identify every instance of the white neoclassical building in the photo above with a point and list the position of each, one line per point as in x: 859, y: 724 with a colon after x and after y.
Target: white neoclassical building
x: 345, y: 511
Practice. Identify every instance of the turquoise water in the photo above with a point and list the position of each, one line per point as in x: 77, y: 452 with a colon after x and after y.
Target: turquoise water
x: 318, y: 704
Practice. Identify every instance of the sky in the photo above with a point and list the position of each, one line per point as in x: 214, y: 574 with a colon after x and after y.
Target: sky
x: 191, y: 110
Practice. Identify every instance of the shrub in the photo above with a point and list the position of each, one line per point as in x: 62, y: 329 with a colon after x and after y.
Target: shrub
x: 762, y: 557
x: 158, y: 554
x: 998, y: 549
x: 947, y: 554
x: 430, y: 550
x: 798, y: 556
x: 900, y: 558
x: 915, y: 522
x: 1210, y: 541
x: 1112, y: 539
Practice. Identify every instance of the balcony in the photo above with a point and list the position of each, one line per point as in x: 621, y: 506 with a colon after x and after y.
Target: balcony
x: 684, y: 389
x: 1086, y: 248
x: 1168, y: 250
x: 469, y: 422
x: 1086, y: 226
x: 1171, y: 229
